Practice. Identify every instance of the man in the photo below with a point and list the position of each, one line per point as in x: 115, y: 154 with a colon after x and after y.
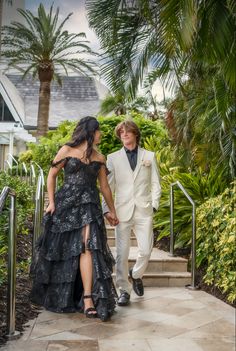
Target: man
x: 134, y: 180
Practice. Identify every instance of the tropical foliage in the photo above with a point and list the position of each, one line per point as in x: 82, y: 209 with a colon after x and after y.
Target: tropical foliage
x: 44, y: 151
x: 41, y: 47
x: 190, y: 45
x: 199, y: 184
x: 216, y: 241
x: 120, y: 104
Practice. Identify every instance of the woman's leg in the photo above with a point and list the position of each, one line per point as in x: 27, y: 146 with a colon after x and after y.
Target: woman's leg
x: 86, y: 270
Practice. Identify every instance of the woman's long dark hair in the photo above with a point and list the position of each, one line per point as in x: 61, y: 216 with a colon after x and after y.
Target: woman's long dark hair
x: 84, y: 131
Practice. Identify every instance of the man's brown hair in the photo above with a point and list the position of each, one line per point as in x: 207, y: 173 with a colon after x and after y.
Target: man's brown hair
x: 129, y: 126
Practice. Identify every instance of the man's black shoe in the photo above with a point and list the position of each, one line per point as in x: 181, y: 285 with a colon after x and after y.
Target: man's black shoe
x: 137, y: 284
x: 123, y: 299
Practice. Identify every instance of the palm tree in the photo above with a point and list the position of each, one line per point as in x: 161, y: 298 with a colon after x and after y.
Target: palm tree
x: 120, y: 105
x: 44, y: 46
x: 116, y: 103
x: 164, y: 35
x: 173, y: 39
x: 1, y: 13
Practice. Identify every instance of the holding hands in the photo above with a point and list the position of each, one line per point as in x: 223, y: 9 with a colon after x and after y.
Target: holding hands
x: 112, y: 218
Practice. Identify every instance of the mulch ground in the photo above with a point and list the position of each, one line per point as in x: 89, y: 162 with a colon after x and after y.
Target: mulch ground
x: 24, y: 309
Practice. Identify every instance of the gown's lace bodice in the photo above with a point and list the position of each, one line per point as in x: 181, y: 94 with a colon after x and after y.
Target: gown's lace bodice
x: 79, y: 188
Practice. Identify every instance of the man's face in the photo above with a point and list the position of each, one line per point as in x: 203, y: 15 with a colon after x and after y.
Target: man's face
x: 127, y: 137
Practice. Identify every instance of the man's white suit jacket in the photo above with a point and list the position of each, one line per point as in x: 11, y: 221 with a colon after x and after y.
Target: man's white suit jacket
x: 140, y: 187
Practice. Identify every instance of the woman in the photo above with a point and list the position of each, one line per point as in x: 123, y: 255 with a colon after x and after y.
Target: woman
x: 73, y: 265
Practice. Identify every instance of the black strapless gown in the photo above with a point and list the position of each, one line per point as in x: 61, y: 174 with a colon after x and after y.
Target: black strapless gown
x: 55, y: 269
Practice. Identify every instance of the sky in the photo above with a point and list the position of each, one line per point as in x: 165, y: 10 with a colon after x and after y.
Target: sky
x: 77, y: 22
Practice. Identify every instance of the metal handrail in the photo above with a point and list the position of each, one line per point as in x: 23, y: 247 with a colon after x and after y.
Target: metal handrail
x: 16, y: 162
x: 32, y: 175
x: 6, y: 162
x: 11, y: 293
x: 23, y: 166
x: 39, y: 207
x: 193, y: 285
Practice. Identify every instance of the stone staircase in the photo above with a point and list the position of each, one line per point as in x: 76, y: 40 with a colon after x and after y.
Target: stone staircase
x: 162, y: 270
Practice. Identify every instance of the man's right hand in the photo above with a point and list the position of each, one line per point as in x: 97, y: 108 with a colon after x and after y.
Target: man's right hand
x: 112, y: 218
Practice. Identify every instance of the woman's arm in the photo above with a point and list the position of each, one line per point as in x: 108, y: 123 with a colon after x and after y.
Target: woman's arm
x: 107, y: 194
x: 52, y: 175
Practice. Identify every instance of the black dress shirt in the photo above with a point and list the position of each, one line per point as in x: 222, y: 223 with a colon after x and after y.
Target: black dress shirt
x: 132, y: 157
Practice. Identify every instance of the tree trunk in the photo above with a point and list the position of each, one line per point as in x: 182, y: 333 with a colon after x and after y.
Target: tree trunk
x: 43, y: 109
x: 1, y: 10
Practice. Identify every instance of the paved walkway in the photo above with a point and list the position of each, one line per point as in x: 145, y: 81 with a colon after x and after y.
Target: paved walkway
x: 165, y: 319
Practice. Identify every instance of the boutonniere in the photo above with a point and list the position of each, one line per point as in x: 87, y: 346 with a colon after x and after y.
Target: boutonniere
x: 146, y: 163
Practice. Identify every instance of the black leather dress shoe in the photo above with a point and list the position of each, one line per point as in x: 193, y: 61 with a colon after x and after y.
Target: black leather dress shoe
x: 137, y: 284
x: 123, y: 299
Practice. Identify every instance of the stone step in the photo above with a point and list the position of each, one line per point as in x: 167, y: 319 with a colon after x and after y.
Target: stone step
x: 165, y: 279
x: 159, y: 262
x: 112, y: 242
x: 111, y: 236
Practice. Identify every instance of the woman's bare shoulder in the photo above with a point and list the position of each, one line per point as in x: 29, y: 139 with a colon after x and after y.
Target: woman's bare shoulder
x: 63, y: 151
x: 100, y: 157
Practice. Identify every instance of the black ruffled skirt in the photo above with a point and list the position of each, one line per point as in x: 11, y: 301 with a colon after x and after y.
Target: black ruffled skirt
x: 55, y: 269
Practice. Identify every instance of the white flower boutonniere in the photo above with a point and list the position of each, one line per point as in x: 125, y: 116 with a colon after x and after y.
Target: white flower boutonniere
x: 146, y: 163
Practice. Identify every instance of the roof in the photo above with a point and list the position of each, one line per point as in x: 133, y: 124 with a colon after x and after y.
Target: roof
x: 79, y: 96
x: 19, y: 133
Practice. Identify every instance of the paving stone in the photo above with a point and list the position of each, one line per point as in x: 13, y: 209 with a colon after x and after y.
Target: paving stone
x: 122, y: 345
x: 164, y: 319
x: 73, y: 346
x: 20, y: 345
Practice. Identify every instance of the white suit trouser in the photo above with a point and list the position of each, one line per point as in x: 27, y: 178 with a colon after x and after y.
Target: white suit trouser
x: 143, y: 229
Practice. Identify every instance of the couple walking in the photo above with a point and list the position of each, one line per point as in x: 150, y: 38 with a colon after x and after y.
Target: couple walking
x: 72, y: 266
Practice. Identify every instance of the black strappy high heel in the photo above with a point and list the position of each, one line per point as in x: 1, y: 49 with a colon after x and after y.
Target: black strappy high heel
x: 89, y: 311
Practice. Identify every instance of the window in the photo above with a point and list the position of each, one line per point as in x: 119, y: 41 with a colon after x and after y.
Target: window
x: 5, y: 114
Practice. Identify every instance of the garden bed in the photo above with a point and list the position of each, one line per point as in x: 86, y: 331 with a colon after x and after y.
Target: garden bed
x: 24, y: 309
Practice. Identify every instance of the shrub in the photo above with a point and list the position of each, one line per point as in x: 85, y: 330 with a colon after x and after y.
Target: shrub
x: 44, y: 152
x: 24, y: 211
x: 200, y: 186
x: 216, y: 241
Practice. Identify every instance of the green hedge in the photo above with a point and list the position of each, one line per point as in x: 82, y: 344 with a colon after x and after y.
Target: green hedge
x: 44, y: 151
x: 216, y: 241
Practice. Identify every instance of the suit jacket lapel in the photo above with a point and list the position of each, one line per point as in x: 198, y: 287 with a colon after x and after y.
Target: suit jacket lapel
x: 139, y: 161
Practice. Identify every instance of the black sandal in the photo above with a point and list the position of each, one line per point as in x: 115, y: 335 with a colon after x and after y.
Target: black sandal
x: 88, y: 312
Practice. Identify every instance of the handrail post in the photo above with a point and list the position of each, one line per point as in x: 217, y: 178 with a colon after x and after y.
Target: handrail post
x: 11, y: 290
x: 171, y: 221
x: 16, y: 162
x: 193, y: 285
x: 193, y: 266
x: 6, y: 169
x: 32, y: 175
x: 36, y: 214
x: 11, y: 296
x: 39, y: 207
